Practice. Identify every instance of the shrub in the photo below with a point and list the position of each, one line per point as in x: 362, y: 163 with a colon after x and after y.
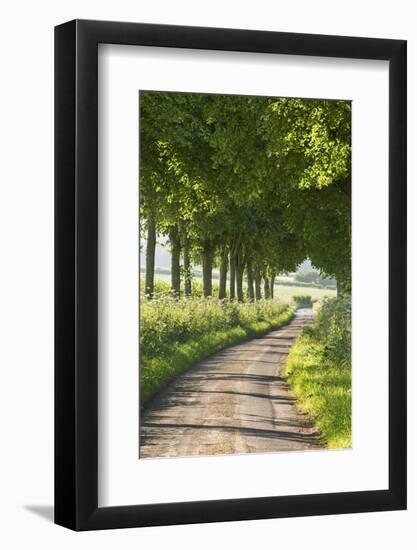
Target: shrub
x: 163, y: 288
x: 303, y: 301
x: 165, y: 321
x: 333, y: 328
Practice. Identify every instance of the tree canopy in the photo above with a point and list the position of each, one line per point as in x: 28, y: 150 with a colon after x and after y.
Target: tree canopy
x: 253, y: 185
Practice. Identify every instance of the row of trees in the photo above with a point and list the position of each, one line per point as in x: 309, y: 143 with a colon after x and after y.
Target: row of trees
x: 251, y: 185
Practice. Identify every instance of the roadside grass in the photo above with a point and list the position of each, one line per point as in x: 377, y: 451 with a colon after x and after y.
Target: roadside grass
x: 176, y: 334
x: 318, y: 370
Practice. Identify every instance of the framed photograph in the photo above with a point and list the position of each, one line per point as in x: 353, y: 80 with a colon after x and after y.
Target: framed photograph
x: 230, y: 284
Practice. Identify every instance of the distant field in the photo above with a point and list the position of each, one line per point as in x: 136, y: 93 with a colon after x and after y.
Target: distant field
x: 285, y: 293
x: 282, y: 292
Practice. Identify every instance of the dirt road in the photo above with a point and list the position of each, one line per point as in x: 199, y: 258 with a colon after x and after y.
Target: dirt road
x: 235, y: 401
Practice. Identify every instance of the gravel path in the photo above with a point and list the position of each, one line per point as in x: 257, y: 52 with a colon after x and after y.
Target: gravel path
x: 235, y: 401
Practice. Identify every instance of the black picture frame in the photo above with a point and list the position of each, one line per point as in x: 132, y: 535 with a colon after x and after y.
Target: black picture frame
x: 76, y: 272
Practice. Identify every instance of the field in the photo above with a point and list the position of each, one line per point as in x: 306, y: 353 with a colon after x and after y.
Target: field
x: 283, y: 293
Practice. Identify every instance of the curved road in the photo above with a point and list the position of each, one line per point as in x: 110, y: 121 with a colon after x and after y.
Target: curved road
x: 235, y: 401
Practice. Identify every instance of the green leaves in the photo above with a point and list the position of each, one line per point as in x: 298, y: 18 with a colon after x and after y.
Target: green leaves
x: 276, y: 171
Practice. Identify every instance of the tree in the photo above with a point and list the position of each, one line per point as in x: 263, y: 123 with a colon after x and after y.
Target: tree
x: 310, y: 142
x: 247, y: 184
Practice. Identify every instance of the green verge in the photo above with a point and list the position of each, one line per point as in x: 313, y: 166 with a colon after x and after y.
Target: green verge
x: 157, y: 371
x: 318, y: 371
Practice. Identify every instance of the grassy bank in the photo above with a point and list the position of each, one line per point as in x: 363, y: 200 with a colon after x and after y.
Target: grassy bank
x: 319, y: 372
x: 176, y: 334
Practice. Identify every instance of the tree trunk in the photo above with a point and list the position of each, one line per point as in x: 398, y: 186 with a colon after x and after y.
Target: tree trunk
x: 240, y: 266
x: 175, y: 261
x: 187, y: 268
x: 267, y: 288
x: 272, y: 284
x: 249, y: 273
x: 232, y: 277
x: 223, y: 273
x: 150, y: 257
x: 207, y: 269
x: 258, y: 292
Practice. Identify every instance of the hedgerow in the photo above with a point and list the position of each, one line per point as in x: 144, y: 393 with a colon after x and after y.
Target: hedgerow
x: 175, y: 334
